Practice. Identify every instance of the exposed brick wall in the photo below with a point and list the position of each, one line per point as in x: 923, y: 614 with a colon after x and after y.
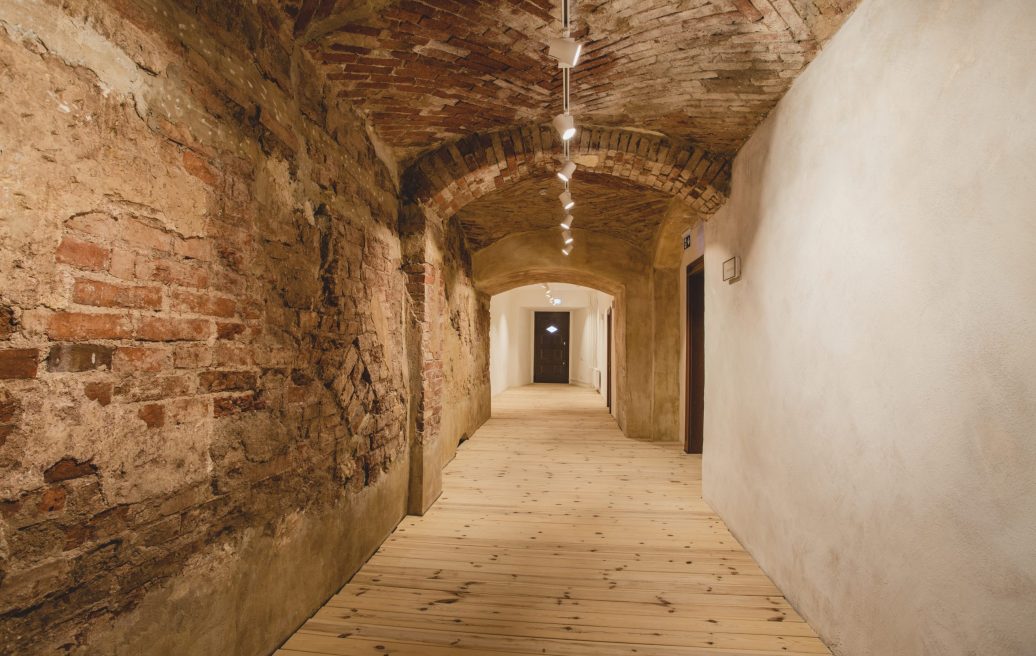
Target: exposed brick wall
x: 450, y: 331
x: 201, y: 318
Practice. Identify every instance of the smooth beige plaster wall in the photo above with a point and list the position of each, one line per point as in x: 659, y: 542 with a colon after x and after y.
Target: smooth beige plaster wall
x: 871, y: 382
x: 510, y: 344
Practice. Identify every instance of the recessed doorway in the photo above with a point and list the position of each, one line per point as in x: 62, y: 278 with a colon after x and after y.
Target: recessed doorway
x: 695, y: 406
x: 551, y: 347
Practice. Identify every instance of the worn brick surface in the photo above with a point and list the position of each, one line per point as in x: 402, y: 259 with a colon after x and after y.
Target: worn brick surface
x: 603, y: 204
x: 619, y: 172
x: 431, y: 71
x: 202, y: 311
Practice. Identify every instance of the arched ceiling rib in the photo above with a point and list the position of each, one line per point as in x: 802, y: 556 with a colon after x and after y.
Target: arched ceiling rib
x: 667, y: 90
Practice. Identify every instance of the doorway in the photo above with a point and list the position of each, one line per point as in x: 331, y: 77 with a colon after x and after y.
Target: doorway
x: 694, y: 437
x: 608, y: 358
x: 550, y: 347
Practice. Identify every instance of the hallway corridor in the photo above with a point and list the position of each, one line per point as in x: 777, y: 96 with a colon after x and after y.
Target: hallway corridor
x: 557, y: 535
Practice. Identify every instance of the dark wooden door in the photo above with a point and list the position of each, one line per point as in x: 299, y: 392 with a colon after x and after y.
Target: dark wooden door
x: 695, y: 411
x: 608, y: 368
x: 550, y: 345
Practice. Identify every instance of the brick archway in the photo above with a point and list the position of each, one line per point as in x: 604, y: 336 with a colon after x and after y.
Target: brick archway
x: 445, y: 180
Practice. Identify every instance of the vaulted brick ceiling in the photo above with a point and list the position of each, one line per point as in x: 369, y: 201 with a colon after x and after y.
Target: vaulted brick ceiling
x: 428, y: 72
x: 604, y: 204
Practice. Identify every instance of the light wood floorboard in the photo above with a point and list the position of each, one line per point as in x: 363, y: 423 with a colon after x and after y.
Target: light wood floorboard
x: 558, y: 535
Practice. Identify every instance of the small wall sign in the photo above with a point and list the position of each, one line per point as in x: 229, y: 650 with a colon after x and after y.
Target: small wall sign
x: 687, y: 240
x: 732, y: 269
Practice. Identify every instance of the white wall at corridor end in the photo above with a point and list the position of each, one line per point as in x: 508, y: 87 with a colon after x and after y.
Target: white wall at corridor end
x: 871, y: 380
x: 511, y: 333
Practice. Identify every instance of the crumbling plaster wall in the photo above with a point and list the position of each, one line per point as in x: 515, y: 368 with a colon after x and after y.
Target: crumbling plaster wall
x: 203, y: 367
x: 449, y: 331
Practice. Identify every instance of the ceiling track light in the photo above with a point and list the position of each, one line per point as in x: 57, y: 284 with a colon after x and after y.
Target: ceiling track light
x: 566, y: 200
x: 567, y: 250
x: 565, y: 124
x: 567, y: 171
x: 566, y: 51
x: 566, y: 224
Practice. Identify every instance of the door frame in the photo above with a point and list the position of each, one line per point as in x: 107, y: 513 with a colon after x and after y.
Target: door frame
x: 568, y: 343
x: 694, y: 398
x: 608, y: 364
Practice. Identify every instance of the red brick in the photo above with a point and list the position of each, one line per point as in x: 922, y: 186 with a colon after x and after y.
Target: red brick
x: 207, y: 304
x: 19, y: 363
x: 68, y: 468
x: 192, y: 356
x: 8, y: 322
x: 80, y: 326
x: 231, y: 405
x: 100, y: 392
x: 53, y: 499
x: 139, y: 358
x: 153, y: 388
x: 153, y: 415
x: 142, y: 235
x: 231, y: 354
x: 102, y: 294
x: 197, y: 167
x: 79, y: 357
x: 97, y: 224
x: 123, y: 264
x: 76, y: 535
x: 226, y: 381
x: 173, y: 272
x: 226, y: 330
x: 156, y: 329
x: 82, y: 254
x: 182, y: 411
x: 196, y: 248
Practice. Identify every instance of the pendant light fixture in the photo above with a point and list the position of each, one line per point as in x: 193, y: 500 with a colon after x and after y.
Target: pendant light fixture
x: 565, y: 125
x: 566, y: 51
x: 567, y: 171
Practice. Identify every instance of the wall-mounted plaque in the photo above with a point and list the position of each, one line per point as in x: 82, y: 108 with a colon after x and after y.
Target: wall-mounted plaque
x: 732, y: 269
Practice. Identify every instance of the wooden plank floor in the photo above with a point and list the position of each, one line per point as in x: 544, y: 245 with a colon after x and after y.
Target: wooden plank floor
x: 557, y: 535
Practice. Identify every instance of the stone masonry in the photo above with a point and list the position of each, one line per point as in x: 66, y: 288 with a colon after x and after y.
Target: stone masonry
x: 202, y: 320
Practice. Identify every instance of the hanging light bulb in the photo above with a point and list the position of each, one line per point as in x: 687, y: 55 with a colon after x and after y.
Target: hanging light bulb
x: 566, y: 200
x: 569, y: 239
x: 565, y: 124
x: 566, y: 51
x: 567, y: 171
x: 566, y: 223
x: 567, y: 250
